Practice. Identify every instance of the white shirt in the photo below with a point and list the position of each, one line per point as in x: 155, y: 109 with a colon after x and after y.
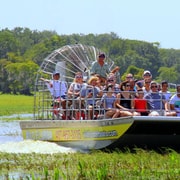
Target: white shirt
x: 167, y: 94
x: 175, y: 100
x: 57, y: 88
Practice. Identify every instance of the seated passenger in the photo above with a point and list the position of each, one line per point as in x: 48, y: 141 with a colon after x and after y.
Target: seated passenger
x: 146, y: 75
x: 76, y: 85
x: 157, y: 101
x: 175, y: 101
x: 90, y: 94
x: 140, y: 104
x: 111, y: 79
x: 98, y: 82
x: 74, y: 94
x: 164, y: 90
x: 146, y: 86
x: 124, y: 101
x: 116, y: 73
x: 109, y: 103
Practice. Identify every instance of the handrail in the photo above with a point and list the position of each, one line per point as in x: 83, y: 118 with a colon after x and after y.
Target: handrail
x: 45, y: 108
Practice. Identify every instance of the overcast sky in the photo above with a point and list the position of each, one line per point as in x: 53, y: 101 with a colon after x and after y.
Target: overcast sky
x: 147, y: 20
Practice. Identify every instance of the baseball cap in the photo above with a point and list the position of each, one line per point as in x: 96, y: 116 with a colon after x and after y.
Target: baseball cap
x: 56, y: 72
x: 147, y: 72
x: 102, y: 55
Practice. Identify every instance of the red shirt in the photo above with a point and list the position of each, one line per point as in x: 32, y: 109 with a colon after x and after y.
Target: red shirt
x: 140, y: 105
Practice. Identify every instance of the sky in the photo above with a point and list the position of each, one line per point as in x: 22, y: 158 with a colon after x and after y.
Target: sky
x: 144, y: 20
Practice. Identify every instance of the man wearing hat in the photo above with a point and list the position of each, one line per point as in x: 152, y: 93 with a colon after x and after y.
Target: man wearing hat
x: 146, y: 75
x: 100, y: 67
x: 57, y: 88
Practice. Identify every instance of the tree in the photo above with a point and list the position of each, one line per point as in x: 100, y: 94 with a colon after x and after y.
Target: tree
x: 168, y: 73
x: 22, y: 77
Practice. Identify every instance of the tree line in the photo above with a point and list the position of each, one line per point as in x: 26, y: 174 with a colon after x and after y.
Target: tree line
x: 23, y: 50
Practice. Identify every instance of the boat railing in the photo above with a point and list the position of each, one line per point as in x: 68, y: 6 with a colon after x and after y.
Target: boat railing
x: 47, y: 107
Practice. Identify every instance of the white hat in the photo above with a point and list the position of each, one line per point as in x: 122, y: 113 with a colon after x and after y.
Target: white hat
x: 147, y: 72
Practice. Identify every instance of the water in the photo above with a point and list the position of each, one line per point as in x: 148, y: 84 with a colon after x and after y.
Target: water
x: 15, y: 116
x: 11, y: 141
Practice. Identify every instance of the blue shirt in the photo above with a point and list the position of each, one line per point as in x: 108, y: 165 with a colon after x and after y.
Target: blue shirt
x: 86, y: 90
x: 109, y: 101
x: 155, y: 101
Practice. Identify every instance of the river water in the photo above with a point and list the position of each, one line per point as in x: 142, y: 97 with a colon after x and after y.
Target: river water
x: 11, y: 141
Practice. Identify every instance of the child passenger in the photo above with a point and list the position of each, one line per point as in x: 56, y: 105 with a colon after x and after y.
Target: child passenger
x: 139, y: 104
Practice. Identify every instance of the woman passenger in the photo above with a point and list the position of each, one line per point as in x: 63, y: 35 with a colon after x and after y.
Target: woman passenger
x: 90, y: 95
x: 74, y: 93
x: 109, y: 103
x: 124, y: 100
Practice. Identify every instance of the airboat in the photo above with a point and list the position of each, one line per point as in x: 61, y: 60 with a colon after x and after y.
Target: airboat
x: 48, y: 125
x: 83, y: 133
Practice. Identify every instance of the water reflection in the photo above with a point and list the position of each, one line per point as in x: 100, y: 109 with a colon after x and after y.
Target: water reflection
x: 11, y: 141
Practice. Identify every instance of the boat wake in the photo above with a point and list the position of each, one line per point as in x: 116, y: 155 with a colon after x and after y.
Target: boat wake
x: 30, y: 146
x: 11, y: 141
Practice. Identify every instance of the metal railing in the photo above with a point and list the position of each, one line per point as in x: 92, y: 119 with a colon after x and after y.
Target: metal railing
x: 46, y: 107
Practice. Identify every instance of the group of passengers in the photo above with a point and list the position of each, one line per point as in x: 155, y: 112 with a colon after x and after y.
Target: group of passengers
x: 112, y: 97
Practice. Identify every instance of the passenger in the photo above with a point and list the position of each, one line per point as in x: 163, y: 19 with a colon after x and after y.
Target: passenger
x: 74, y: 94
x: 111, y: 79
x: 132, y: 88
x: 124, y: 101
x: 58, y: 90
x: 116, y: 73
x: 157, y: 101
x: 100, y: 67
x: 76, y: 85
x: 146, y: 75
x: 164, y: 90
x: 109, y: 103
x: 90, y: 94
x: 140, y: 104
x: 146, y: 87
x: 98, y: 82
x: 175, y: 101
x: 129, y: 76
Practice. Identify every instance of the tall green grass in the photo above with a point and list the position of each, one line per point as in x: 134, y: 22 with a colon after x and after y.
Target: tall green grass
x: 98, y: 165
x: 15, y: 104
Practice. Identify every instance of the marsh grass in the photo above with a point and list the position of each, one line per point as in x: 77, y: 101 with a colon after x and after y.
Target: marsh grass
x: 15, y: 104
x: 95, y: 165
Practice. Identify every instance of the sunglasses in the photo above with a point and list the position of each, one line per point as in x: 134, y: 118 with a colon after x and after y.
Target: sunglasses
x: 127, y: 85
x: 79, y: 77
x: 110, y: 80
x: 147, y: 82
x: 153, y: 86
x: 129, y: 77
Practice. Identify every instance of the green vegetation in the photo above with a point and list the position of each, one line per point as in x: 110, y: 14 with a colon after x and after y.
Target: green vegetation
x: 15, y: 104
x: 95, y: 165
x: 23, y: 51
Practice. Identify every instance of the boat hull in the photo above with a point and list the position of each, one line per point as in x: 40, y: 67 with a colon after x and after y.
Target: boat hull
x: 82, y: 134
x: 157, y: 133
